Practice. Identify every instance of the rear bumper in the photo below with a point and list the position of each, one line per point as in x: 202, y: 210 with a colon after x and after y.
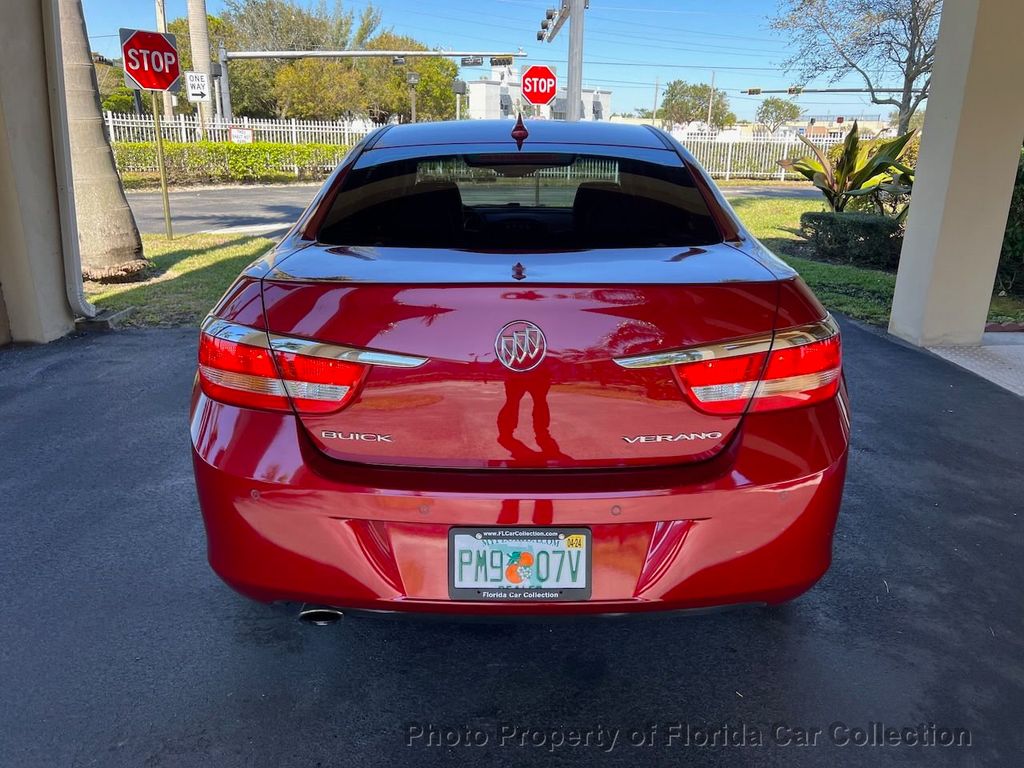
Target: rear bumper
x: 753, y: 525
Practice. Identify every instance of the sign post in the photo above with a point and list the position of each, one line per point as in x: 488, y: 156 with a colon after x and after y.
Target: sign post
x: 151, y: 64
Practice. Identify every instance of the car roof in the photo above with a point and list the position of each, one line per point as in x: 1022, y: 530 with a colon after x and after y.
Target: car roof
x: 500, y: 131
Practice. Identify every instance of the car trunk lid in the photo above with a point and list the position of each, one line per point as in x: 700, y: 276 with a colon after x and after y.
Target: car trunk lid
x: 559, y: 400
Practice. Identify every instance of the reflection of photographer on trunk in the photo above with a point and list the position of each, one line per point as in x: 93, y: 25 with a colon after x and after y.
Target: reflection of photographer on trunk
x: 537, y: 385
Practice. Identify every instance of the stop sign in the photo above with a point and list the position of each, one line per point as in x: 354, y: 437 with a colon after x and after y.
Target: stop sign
x: 539, y: 84
x: 150, y: 60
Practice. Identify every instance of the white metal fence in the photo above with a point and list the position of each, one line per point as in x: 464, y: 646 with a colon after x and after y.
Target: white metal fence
x: 750, y: 158
x: 186, y: 128
x: 723, y: 156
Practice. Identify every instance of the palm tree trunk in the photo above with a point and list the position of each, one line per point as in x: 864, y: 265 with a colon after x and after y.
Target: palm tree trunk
x: 107, y: 234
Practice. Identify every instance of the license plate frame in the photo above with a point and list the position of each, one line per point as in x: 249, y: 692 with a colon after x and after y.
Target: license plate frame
x: 531, y: 537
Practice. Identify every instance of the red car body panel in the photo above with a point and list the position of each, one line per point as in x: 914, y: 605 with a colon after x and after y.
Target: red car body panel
x: 753, y: 525
x: 743, y: 513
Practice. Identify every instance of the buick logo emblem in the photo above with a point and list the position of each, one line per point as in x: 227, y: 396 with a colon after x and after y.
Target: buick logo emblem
x: 520, y: 346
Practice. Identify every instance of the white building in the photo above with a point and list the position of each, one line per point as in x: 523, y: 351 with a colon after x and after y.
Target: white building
x: 499, y: 96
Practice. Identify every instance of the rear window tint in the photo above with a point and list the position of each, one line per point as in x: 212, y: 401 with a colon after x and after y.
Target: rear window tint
x: 513, y: 202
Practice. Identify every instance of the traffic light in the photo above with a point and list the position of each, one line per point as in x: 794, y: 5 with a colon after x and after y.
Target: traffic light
x: 753, y: 91
x: 549, y: 13
x: 795, y: 90
x: 398, y: 60
x: 501, y: 61
x: 840, y: 120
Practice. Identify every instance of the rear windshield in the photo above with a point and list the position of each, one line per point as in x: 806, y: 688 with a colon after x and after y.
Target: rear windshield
x: 514, y: 202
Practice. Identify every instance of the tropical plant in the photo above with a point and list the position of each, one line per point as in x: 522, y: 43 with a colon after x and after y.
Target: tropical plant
x: 858, y: 171
x: 107, y: 235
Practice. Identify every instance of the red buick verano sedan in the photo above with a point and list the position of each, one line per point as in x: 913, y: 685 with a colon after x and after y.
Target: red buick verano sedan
x: 536, y: 370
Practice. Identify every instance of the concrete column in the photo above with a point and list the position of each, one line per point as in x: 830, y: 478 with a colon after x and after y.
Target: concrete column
x: 31, y: 256
x: 968, y: 159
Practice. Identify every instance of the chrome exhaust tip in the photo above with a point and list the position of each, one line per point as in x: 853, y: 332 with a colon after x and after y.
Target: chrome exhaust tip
x: 319, y: 615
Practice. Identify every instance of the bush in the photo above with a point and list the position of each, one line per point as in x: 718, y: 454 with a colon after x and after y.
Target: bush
x: 204, y: 162
x: 908, y: 158
x: 1010, y: 275
x: 862, y: 239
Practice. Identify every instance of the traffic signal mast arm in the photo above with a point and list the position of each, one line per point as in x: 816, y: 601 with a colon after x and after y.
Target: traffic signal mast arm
x: 796, y: 90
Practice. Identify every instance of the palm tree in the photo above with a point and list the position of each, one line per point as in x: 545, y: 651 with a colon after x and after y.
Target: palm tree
x: 107, y: 234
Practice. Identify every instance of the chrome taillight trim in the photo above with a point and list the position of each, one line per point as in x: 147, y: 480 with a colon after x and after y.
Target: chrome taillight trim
x: 347, y: 354
x: 254, y: 337
x: 792, y: 337
x: 239, y: 334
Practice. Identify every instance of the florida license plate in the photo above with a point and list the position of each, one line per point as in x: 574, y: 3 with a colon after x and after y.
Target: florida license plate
x: 513, y: 564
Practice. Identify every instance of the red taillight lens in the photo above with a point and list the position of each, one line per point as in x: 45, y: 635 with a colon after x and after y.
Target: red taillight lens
x: 240, y: 374
x: 800, y: 375
x: 795, y: 372
x: 317, y: 384
x: 246, y: 375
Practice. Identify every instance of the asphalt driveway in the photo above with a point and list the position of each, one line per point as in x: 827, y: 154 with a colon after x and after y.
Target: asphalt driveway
x: 118, y: 646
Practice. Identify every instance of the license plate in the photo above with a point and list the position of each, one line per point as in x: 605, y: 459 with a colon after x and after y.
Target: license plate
x: 513, y: 564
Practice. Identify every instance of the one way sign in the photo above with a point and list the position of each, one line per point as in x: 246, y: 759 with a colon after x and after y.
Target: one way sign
x: 198, y: 85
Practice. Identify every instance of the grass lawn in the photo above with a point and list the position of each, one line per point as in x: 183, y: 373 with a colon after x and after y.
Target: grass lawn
x: 865, y: 294
x: 191, y: 273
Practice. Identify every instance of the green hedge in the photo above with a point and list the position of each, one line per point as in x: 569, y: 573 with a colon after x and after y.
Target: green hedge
x: 203, y: 162
x: 862, y: 239
x: 1010, y: 275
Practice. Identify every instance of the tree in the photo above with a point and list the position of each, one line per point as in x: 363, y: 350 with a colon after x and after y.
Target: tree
x: 283, y: 25
x: 107, y: 235
x: 876, y: 39
x: 774, y: 112
x: 686, y: 103
x: 120, y: 100
x: 385, y: 92
x: 219, y: 30
x: 916, y: 120
x: 315, y: 89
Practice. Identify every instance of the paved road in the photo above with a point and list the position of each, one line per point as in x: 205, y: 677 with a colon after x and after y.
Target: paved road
x: 270, y: 210
x: 266, y: 210
x: 119, y: 647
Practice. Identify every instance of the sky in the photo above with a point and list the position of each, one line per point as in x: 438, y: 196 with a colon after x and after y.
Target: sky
x: 629, y: 45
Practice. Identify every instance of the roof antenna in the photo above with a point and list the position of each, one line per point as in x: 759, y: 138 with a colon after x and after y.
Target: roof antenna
x: 519, y: 132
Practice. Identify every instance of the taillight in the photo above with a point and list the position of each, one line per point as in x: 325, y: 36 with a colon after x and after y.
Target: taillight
x: 791, y: 368
x: 248, y: 367
x: 238, y: 366
x: 240, y: 374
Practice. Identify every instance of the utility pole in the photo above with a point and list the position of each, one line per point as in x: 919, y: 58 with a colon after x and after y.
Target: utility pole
x: 225, y: 86
x: 412, y: 78
x: 654, y: 112
x: 575, y: 90
x: 199, y: 37
x: 711, y: 99
x: 571, y: 11
x: 161, y: 26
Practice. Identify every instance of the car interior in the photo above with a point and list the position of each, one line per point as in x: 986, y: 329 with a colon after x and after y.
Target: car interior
x: 510, y: 213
